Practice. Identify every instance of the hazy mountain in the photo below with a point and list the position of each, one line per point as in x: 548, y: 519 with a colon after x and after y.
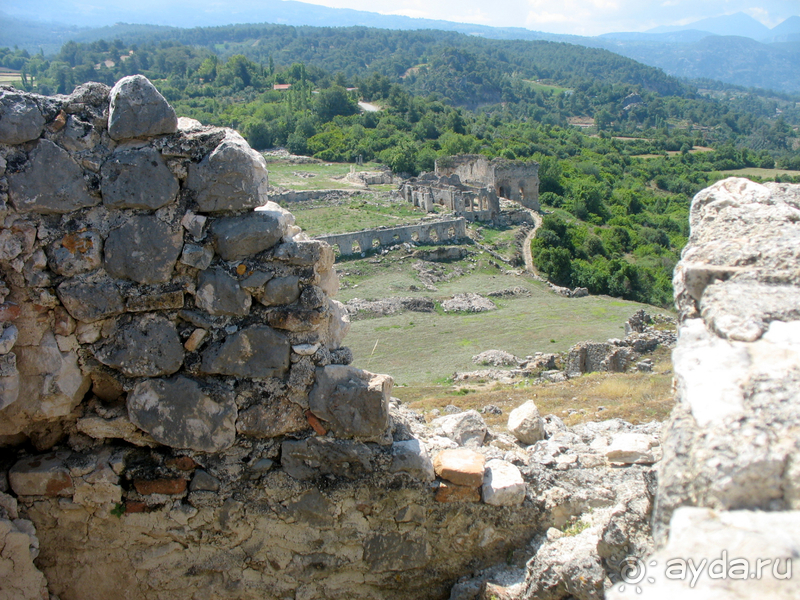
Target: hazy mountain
x: 736, y: 24
x: 788, y: 31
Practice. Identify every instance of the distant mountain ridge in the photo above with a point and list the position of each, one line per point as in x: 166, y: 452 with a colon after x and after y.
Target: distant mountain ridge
x: 700, y: 50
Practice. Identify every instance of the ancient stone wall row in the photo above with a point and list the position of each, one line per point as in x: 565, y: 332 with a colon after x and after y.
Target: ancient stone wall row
x: 424, y: 233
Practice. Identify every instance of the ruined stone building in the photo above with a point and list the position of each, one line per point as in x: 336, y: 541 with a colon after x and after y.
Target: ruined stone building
x: 470, y: 185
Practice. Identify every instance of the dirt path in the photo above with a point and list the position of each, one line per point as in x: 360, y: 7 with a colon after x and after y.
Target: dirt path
x: 526, y: 245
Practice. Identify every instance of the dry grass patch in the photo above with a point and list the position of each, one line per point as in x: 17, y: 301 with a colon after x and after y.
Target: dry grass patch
x: 635, y: 397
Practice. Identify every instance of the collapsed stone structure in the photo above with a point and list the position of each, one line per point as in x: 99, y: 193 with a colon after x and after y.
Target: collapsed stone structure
x: 470, y: 185
x: 367, y: 240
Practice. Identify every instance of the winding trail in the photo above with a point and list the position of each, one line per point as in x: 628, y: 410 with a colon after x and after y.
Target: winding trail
x: 526, y: 245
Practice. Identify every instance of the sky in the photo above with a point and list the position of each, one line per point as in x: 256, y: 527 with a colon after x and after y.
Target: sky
x: 578, y: 17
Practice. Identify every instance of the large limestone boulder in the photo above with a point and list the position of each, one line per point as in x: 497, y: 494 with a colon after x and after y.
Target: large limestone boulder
x: 137, y: 109
x: 143, y: 249
x: 503, y: 484
x: 525, y: 423
x: 137, y: 179
x: 465, y: 428
x: 256, y: 351
x: 146, y: 346
x: 232, y: 178
x: 236, y: 238
x: 20, y: 118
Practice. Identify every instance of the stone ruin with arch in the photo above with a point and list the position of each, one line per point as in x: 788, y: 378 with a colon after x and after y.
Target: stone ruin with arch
x: 471, y: 186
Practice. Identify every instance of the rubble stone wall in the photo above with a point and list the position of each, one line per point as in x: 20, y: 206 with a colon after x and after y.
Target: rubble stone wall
x: 450, y: 230
x: 178, y: 417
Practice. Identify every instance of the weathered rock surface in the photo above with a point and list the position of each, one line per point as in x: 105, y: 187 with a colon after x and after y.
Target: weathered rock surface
x: 51, y: 183
x: 255, y: 352
x: 179, y: 412
x: 76, y: 253
x: 503, y: 484
x: 19, y: 546
x: 137, y: 109
x: 144, y: 249
x: 236, y: 238
x: 411, y: 457
x: 465, y: 428
x: 232, y: 178
x: 91, y: 299
x: 468, y: 302
x: 496, y: 358
x: 353, y: 402
x: 146, y: 346
x: 137, y: 179
x: 20, y: 118
x: 220, y: 294
x: 525, y: 423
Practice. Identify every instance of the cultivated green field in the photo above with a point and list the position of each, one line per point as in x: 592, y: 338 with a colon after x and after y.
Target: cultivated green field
x: 312, y: 176
x: 764, y: 174
x: 364, y: 211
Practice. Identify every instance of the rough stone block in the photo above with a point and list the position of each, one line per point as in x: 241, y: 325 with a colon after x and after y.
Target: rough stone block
x: 631, y: 448
x: 280, y: 291
x: 236, y: 238
x: 50, y: 183
x: 137, y: 179
x: 313, y: 457
x: 297, y: 320
x: 220, y: 294
x: 257, y: 351
x: 503, y: 484
x: 465, y: 428
x: 306, y: 254
x: 144, y: 249
x: 19, y: 546
x: 43, y: 475
x: 137, y: 109
x: 20, y: 118
x: 525, y: 423
x: 197, y: 256
x: 90, y: 300
x: 147, y: 487
x: 460, y: 466
x: 146, y: 346
x: 180, y: 413
x: 394, y: 551
x: 76, y: 253
x: 272, y: 419
x: 354, y: 402
x: 152, y: 302
x: 411, y: 457
x: 232, y: 178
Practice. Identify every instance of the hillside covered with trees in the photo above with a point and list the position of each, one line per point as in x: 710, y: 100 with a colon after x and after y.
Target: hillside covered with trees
x: 618, y: 188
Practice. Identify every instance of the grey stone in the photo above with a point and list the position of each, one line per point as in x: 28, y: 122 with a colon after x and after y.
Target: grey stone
x: 354, y: 402
x: 196, y: 256
x: 257, y: 351
x: 256, y: 281
x: 144, y: 250
x: 51, y: 183
x: 137, y: 179
x: 232, y: 178
x: 280, y: 291
x: 394, y: 551
x: 465, y: 428
x: 8, y: 338
x: 90, y: 300
x: 314, y: 457
x: 146, y: 346
x: 137, y: 109
x: 631, y: 448
x: 45, y: 475
x: 306, y: 253
x: 272, y: 419
x: 236, y: 238
x: 76, y: 253
x: 503, y: 484
x: 20, y: 118
x: 312, y: 297
x: 411, y: 457
x: 203, y: 481
x: 525, y: 423
x: 180, y: 413
x: 220, y: 294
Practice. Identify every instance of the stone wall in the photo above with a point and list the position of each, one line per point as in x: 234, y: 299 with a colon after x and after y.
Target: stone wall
x: 433, y: 232
x: 177, y: 414
x: 512, y: 179
x: 468, y: 202
x: 729, y: 482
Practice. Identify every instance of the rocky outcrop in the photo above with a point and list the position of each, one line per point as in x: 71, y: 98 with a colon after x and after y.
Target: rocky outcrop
x: 732, y: 446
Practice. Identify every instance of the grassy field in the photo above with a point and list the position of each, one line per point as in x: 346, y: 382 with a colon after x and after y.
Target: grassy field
x: 364, y: 211
x: 543, y: 87
x: 764, y: 174
x: 425, y: 348
x: 312, y: 176
x: 10, y: 79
